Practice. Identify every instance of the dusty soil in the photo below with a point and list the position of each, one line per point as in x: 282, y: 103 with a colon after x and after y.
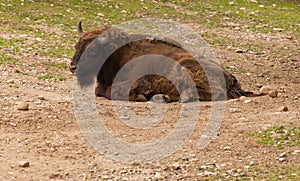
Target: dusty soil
x: 49, y: 138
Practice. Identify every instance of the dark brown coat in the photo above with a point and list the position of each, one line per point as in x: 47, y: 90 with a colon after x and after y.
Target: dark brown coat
x: 134, y: 46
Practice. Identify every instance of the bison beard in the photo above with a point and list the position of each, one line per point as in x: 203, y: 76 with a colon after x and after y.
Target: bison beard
x: 105, y: 54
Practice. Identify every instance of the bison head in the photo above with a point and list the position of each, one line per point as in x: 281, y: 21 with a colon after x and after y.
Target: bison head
x: 85, y: 40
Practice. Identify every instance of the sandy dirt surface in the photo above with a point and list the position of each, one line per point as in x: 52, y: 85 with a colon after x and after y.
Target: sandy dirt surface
x: 49, y: 138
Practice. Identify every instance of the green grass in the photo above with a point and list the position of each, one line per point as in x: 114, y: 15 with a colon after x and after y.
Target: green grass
x: 256, y: 172
x: 55, y: 64
x: 279, y: 136
x: 273, y: 172
x: 51, y: 78
x: 235, y: 69
x: 59, y: 19
x: 4, y: 59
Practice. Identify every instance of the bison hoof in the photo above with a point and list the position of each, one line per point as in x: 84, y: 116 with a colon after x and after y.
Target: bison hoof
x: 160, y: 98
x: 141, y: 98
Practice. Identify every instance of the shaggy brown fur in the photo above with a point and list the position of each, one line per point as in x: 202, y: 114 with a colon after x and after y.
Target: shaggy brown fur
x: 150, y: 85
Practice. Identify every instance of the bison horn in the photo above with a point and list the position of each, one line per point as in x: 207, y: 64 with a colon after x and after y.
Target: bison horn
x: 106, y: 39
x: 80, y: 31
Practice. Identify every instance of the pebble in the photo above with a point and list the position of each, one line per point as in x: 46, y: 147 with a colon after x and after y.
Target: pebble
x: 283, y: 154
x: 185, y: 159
x: 283, y: 109
x: 242, y: 98
x: 247, y: 101
x: 23, y: 164
x: 10, y: 81
x: 207, y: 173
x: 194, y: 159
x: 240, y: 51
x: 158, y: 176
x: 227, y: 148
x: 13, y: 124
x: 175, y: 166
x: 281, y: 159
x: 234, y: 110
x: 273, y: 93
x: 266, y: 89
x: 123, y: 171
x: 296, y: 151
x: 40, y: 97
x: 23, y: 106
x: 203, y: 167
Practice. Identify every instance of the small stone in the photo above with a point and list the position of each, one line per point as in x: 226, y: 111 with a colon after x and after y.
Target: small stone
x: 203, y: 167
x: 283, y: 109
x: 100, y: 14
x: 175, y: 166
x: 13, y: 124
x: 240, y: 51
x: 207, y: 173
x: 234, y: 110
x: 227, y: 148
x: 243, y: 119
x: 105, y: 177
x: 242, y: 98
x: 124, y: 116
x: 158, y: 176
x: 273, y: 93
x: 125, y: 179
x: 266, y: 89
x: 251, y: 163
x: 235, y: 175
x: 10, y: 81
x: 185, y: 159
x: 23, y: 164
x: 281, y: 159
x: 283, y: 154
x: 123, y: 171
x: 296, y: 152
x: 243, y: 174
x: 40, y: 97
x: 247, y: 101
x: 278, y: 29
x: 23, y: 106
x: 194, y: 159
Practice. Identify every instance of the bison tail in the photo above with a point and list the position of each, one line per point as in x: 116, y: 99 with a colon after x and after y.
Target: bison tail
x: 237, y: 92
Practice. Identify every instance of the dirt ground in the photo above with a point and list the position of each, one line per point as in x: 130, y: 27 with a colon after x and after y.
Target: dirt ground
x: 49, y: 138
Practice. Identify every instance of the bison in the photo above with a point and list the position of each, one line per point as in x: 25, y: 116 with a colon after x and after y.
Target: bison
x: 112, y: 49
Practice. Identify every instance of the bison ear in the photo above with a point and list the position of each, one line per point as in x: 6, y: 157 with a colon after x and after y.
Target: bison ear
x: 80, y: 31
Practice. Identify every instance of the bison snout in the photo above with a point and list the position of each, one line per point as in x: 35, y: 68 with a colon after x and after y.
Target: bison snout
x: 73, y: 68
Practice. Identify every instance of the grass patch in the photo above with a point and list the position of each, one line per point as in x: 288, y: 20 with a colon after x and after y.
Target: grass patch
x: 271, y: 172
x: 55, y: 64
x: 51, y: 78
x: 236, y: 70
x: 4, y: 59
x: 279, y: 136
